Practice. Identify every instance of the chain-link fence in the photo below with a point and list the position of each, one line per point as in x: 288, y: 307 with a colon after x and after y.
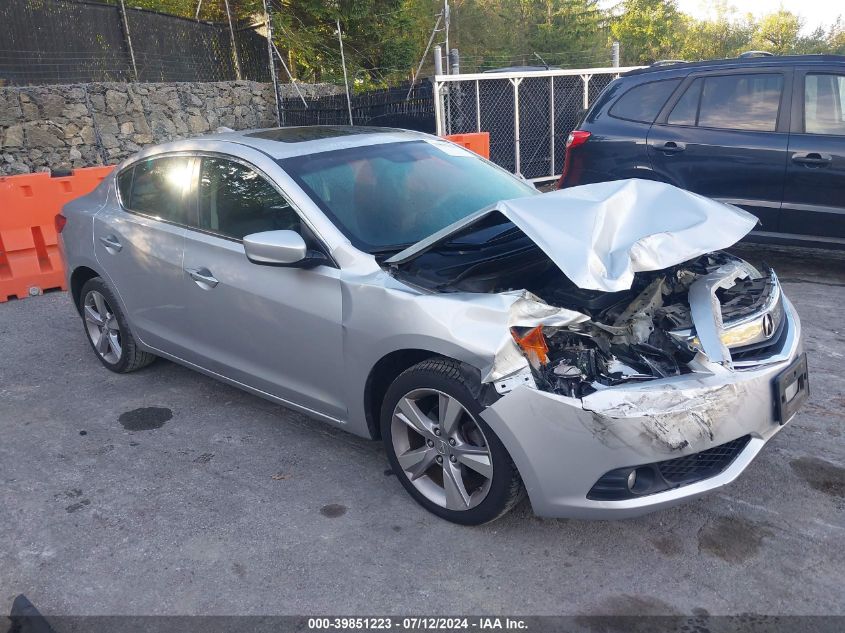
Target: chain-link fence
x: 528, y: 114
x: 400, y: 106
x: 71, y: 41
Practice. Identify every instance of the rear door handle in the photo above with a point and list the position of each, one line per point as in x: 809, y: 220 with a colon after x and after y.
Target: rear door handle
x: 202, y: 276
x: 672, y: 147
x: 112, y: 243
x: 814, y: 159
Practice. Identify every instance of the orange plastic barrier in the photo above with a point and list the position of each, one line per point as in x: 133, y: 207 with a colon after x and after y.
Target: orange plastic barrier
x: 29, y: 253
x: 478, y: 142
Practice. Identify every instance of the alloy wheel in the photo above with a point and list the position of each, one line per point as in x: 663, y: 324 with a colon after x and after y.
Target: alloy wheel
x: 102, y: 326
x: 441, y: 449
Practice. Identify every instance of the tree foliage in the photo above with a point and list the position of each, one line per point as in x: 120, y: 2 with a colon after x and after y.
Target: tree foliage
x: 385, y: 39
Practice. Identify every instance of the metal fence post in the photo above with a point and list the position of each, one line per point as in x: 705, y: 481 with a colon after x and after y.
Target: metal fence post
x: 454, y: 62
x: 516, y: 81
x: 128, y: 40
x: 586, y: 80
x: 234, y: 43
x: 268, y: 16
x: 438, y: 116
x: 477, y: 106
x: 551, y: 125
x: 615, y: 55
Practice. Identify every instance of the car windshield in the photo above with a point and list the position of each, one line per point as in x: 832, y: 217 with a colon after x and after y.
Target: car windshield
x: 387, y: 196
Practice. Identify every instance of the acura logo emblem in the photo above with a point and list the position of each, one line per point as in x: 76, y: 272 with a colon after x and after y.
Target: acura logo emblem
x: 768, y: 325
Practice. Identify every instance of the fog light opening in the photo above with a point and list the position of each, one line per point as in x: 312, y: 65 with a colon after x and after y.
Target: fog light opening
x: 641, y: 480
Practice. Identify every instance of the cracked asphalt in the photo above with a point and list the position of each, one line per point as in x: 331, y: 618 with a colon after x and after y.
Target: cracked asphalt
x: 165, y: 492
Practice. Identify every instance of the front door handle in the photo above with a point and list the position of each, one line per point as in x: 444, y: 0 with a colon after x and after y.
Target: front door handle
x: 202, y: 276
x: 111, y: 243
x: 813, y: 159
x: 672, y: 147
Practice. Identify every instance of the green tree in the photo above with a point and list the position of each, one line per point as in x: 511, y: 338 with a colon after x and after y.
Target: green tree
x: 778, y: 33
x: 724, y: 36
x: 648, y: 30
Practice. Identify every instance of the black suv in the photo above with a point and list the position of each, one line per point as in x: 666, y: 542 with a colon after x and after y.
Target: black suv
x: 764, y: 133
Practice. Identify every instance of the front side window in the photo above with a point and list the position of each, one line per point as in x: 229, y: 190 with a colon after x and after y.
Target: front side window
x: 236, y: 201
x: 731, y: 102
x: 642, y: 103
x: 387, y: 196
x: 824, y: 97
x: 157, y: 187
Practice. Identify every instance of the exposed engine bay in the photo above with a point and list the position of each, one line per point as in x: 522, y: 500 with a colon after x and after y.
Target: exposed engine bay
x: 639, y: 334
x: 632, y: 335
x: 618, y: 282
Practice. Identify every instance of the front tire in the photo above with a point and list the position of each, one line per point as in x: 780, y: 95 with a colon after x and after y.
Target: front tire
x: 443, y: 453
x: 108, y: 330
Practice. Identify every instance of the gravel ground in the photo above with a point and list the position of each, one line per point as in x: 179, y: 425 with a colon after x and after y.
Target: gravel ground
x: 166, y: 492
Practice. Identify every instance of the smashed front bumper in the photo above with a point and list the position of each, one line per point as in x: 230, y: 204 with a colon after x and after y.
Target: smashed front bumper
x: 563, y: 446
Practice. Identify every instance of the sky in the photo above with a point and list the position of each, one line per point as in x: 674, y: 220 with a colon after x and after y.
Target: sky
x: 815, y: 12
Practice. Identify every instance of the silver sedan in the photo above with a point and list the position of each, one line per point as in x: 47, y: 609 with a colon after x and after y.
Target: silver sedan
x: 593, y: 347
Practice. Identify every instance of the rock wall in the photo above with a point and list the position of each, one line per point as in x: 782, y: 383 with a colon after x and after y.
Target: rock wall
x: 66, y: 126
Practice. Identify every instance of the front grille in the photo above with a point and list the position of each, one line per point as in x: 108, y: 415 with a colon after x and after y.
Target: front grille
x: 697, y: 466
x: 665, y: 475
x: 763, y: 349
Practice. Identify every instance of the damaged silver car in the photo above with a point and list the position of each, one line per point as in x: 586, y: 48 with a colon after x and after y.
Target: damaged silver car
x: 594, y: 347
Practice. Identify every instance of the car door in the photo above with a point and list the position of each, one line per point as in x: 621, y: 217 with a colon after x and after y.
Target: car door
x: 724, y: 135
x: 274, y: 328
x: 814, y: 191
x: 138, y: 244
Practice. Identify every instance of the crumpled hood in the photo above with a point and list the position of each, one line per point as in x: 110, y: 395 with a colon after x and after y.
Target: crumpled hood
x: 599, y: 235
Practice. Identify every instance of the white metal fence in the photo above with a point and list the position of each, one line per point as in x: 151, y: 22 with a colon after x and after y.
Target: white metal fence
x: 528, y: 114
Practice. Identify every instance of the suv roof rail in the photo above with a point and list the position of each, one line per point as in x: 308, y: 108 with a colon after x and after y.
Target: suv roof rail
x: 747, y: 54
x: 668, y: 62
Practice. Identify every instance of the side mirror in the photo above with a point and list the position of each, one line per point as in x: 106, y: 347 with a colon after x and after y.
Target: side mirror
x: 275, y: 248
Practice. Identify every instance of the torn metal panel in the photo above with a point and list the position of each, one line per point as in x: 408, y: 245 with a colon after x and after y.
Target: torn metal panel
x: 706, y: 312
x: 599, y: 235
x: 381, y: 314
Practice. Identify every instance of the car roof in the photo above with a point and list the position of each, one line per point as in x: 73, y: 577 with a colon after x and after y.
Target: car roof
x: 669, y: 69
x: 285, y: 142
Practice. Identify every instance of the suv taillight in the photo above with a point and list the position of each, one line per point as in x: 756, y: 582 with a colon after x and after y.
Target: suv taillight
x: 576, y: 138
x: 60, y: 222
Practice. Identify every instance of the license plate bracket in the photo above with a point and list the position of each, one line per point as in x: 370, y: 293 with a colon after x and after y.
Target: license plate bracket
x: 791, y: 389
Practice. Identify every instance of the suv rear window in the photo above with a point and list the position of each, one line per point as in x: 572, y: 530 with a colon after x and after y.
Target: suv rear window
x: 731, y: 102
x: 642, y: 103
x: 824, y: 104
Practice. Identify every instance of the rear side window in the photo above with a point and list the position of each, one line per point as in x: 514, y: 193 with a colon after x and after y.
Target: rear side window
x: 824, y: 97
x: 124, y: 185
x: 685, y: 111
x: 156, y: 187
x: 235, y: 201
x: 642, y: 103
x: 731, y: 102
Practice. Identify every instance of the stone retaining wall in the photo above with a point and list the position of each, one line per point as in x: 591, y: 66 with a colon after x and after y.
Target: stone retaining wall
x: 66, y: 126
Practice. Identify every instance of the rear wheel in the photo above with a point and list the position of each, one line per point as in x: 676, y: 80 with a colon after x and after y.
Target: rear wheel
x: 443, y: 453
x: 108, y: 331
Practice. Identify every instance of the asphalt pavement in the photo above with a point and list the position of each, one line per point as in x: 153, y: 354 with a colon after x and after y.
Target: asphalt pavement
x: 165, y: 492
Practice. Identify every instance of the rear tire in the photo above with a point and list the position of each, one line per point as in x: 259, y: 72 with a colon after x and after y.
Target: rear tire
x: 108, y: 330
x: 443, y: 453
